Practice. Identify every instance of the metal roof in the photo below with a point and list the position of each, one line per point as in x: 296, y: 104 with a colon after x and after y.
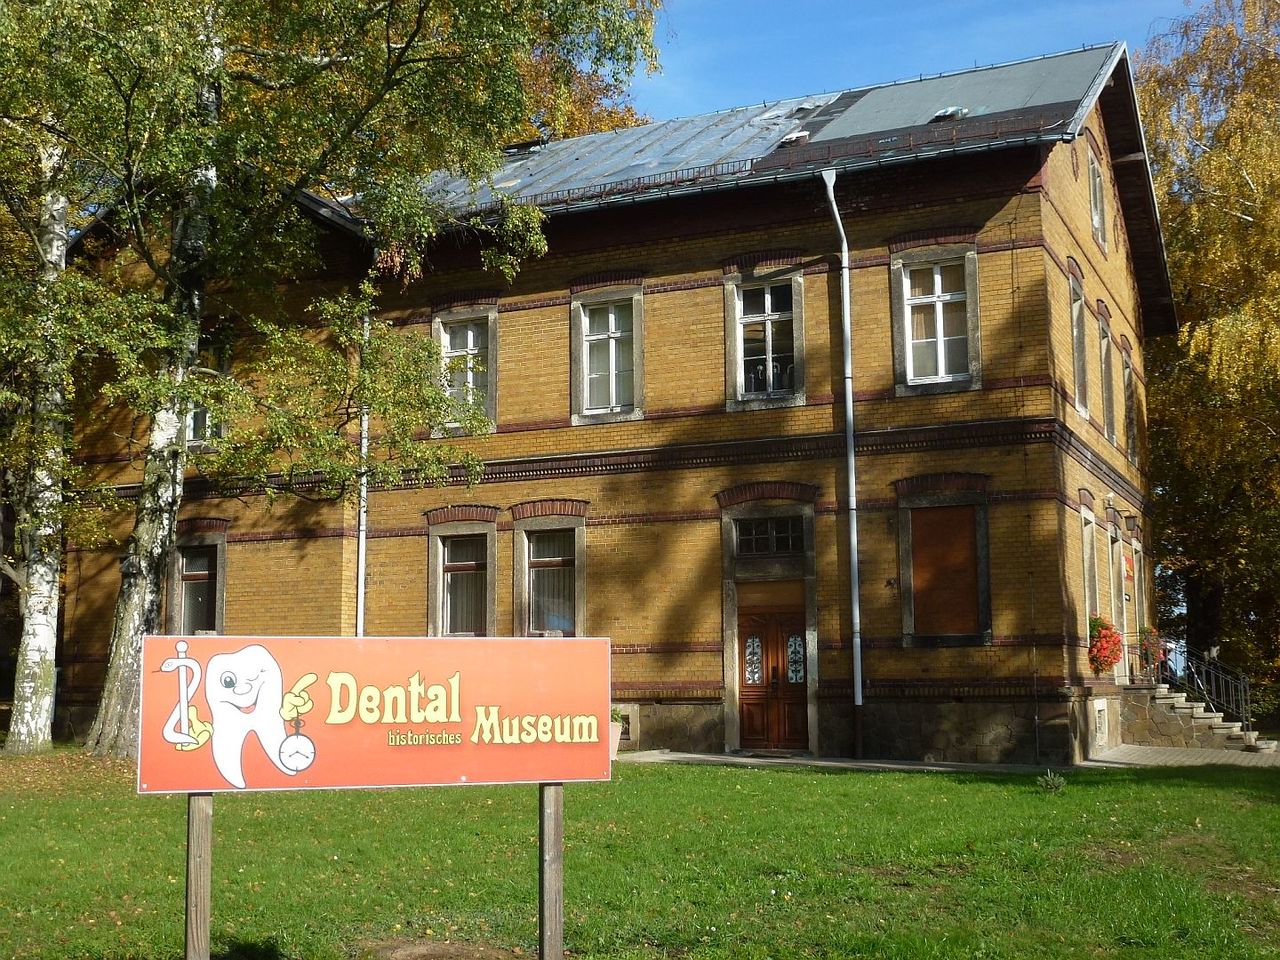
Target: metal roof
x: 1041, y: 99
x: 1037, y: 101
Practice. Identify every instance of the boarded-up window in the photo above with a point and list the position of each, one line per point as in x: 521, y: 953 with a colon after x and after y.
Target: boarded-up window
x: 944, y: 571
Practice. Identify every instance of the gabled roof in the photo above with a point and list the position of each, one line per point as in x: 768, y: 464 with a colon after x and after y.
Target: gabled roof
x: 1040, y: 101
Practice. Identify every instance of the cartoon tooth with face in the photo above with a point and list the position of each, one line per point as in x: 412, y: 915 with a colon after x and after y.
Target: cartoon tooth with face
x: 245, y: 692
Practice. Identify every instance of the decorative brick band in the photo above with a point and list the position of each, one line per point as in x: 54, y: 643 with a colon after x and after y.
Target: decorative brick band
x: 667, y: 648
x: 767, y: 490
x: 761, y: 258
x: 464, y: 511
x: 942, y: 483
x: 550, y: 508
x: 193, y: 525
x: 933, y: 238
x: 608, y: 278
x: 466, y: 298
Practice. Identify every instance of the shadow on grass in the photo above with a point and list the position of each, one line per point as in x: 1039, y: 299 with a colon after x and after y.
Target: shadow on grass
x: 248, y: 950
x: 1257, y: 783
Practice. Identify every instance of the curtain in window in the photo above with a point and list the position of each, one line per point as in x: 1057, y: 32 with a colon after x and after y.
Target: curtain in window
x: 551, y: 582
x: 464, y: 586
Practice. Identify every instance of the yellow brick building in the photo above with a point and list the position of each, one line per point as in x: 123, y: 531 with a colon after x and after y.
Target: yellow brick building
x: 669, y: 466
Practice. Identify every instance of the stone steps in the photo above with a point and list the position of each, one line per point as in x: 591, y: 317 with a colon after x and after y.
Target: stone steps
x: 1191, y: 721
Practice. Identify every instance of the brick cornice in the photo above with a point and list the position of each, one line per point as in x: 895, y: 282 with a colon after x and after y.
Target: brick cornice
x: 192, y: 525
x: 553, y: 507
x: 742, y: 262
x: 608, y: 278
x: 933, y: 237
x: 767, y: 490
x: 942, y: 483
x: 476, y: 512
x: 465, y: 298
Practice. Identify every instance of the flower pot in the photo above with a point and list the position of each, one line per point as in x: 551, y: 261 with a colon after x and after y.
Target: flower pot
x: 615, y: 737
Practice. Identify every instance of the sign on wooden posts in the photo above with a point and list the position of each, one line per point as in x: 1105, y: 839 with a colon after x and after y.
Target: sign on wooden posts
x: 296, y: 713
x: 289, y: 713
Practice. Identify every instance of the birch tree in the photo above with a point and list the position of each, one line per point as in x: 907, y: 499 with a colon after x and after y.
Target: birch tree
x: 51, y: 324
x: 225, y: 113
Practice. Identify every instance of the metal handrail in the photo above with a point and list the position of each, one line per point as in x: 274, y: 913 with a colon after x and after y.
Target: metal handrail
x: 1203, y: 676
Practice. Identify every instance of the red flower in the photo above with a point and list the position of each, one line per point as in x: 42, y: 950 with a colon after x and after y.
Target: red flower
x: 1106, y: 645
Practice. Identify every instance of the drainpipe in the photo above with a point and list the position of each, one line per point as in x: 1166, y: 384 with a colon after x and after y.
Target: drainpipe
x: 851, y: 494
x: 362, y: 506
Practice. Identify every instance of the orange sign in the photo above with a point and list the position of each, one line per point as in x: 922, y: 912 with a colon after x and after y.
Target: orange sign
x: 290, y: 713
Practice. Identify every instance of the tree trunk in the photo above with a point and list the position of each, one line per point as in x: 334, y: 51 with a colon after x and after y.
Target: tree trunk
x: 38, y: 500
x: 144, y: 568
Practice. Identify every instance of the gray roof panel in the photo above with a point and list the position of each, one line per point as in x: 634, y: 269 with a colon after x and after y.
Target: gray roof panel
x: 1000, y: 89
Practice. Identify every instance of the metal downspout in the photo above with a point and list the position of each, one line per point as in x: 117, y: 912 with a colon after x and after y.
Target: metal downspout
x: 362, y: 506
x: 851, y: 493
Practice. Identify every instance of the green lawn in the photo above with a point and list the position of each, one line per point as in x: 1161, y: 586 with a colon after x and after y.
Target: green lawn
x: 664, y: 861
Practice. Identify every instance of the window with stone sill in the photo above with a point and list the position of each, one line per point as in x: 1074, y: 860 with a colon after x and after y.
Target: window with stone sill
x: 943, y: 556
x: 550, y: 576
x: 1106, y: 377
x: 461, y: 599
x: 934, y: 308
x: 1097, y: 200
x: 468, y: 339
x: 1079, y: 356
x: 607, y: 355
x: 764, y: 338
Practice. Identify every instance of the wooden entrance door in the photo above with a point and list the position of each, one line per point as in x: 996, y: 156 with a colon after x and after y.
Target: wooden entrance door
x: 772, y: 689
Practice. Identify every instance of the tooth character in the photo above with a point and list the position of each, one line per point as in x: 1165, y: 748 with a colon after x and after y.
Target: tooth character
x: 245, y: 691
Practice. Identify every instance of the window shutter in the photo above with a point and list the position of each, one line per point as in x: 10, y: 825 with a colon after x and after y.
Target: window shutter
x: 944, y: 570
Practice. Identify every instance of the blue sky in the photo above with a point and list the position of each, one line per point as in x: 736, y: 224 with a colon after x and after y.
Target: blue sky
x: 728, y: 53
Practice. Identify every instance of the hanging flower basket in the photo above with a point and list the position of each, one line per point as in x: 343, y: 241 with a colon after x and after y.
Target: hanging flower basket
x: 1106, y: 646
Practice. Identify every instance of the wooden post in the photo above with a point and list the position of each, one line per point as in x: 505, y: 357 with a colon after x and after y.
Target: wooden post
x: 551, y: 871
x: 199, y: 873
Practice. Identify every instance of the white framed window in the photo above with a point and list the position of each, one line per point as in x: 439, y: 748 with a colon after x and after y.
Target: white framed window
x: 1115, y: 566
x: 1130, y: 410
x: 461, y: 556
x: 1089, y: 550
x: 551, y: 583
x: 608, y: 345
x: 1139, y: 586
x: 933, y: 295
x: 203, y: 428
x: 198, y: 594
x: 1097, y: 200
x: 764, y: 338
x: 1107, y: 376
x: 607, y: 355
x: 937, y: 322
x: 466, y: 572
x: 766, y: 341
x: 1079, y: 355
x: 468, y: 340
x: 464, y: 345
x: 550, y: 576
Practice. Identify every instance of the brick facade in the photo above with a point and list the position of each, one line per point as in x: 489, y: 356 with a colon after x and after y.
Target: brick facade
x: 656, y: 497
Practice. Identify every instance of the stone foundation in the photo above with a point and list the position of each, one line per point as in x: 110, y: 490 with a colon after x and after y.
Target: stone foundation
x: 685, y: 727
x: 973, y: 731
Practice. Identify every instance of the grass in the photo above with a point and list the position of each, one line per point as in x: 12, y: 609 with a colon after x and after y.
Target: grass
x: 697, y: 862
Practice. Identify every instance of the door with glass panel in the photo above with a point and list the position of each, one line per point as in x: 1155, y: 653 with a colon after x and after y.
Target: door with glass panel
x: 772, y: 681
